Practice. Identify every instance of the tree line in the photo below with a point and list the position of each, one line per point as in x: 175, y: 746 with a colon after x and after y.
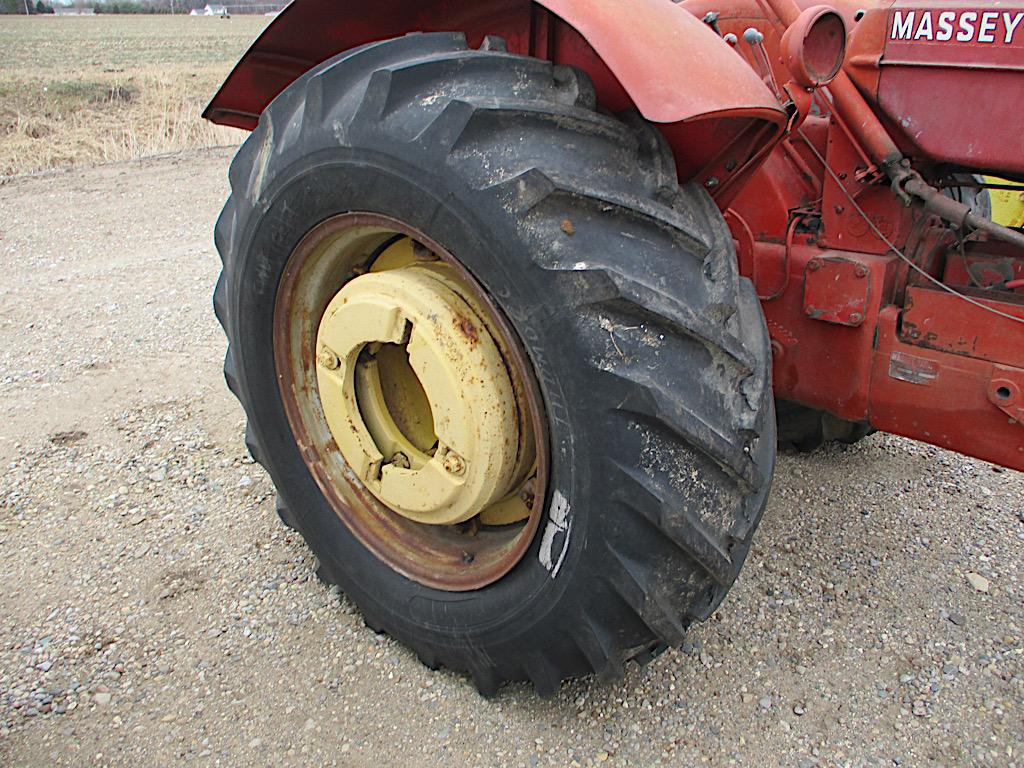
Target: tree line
x: 19, y: 6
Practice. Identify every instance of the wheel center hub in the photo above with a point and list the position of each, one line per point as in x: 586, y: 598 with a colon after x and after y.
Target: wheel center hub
x: 417, y: 395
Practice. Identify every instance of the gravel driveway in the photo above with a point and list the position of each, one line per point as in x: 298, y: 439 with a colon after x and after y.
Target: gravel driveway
x: 154, y: 612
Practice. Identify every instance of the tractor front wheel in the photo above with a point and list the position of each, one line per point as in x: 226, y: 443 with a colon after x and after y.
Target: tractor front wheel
x: 498, y: 363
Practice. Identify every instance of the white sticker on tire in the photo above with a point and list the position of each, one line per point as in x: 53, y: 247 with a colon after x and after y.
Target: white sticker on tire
x: 559, y: 522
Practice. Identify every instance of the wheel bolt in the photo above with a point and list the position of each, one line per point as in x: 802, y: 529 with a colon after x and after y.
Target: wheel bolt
x: 400, y: 460
x: 454, y: 464
x: 327, y: 359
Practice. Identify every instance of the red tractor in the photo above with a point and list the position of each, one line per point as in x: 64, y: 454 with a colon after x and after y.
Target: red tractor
x: 522, y: 296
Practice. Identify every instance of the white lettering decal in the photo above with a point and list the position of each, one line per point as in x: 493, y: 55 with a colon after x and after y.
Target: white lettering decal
x: 946, y: 19
x: 902, y: 28
x: 559, y: 522
x: 988, y: 26
x: 924, y: 28
x: 966, y: 32
x: 1011, y: 25
x: 963, y: 26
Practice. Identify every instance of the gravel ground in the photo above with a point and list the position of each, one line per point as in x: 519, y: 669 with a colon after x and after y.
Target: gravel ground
x: 153, y: 611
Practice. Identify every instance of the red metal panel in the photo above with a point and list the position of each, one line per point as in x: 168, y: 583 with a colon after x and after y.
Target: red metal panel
x: 845, y: 228
x: 673, y: 67
x: 942, y: 399
x: 308, y: 32
x: 818, y: 363
x: 939, y: 320
x: 837, y: 290
x: 949, y: 80
x: 984, y: 265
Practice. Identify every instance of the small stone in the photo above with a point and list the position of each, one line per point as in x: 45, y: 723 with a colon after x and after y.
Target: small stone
x: 957, y: 619
x: 103, y: 698
x: 256, y: 743
x: 569, y: 229
x: 978, y: 581
x: 798, y: 710
x: 765, y: 702
x: 44, y: 666
x: 602, y: 756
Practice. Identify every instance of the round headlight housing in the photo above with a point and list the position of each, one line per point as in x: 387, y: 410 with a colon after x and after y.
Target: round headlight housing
x: 814, y: 46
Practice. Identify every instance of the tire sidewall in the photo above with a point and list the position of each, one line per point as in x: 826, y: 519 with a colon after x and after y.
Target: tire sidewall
x: 339, y: 181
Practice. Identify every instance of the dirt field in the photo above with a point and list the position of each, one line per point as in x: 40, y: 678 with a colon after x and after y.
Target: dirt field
x: 153, y: 611
x: 85, y: 90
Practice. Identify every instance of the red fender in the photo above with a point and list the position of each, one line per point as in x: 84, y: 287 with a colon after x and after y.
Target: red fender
x: 649, y: 54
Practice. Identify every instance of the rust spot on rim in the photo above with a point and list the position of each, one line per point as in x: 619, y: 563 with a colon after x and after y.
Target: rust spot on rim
x: 465, y: 326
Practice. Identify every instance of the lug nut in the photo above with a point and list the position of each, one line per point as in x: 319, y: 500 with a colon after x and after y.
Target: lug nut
x: 327, y: 359
x: 453, y: 463
x: 400, y: 460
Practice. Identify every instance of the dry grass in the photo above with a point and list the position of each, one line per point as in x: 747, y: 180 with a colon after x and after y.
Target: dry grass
x: 80, y: 91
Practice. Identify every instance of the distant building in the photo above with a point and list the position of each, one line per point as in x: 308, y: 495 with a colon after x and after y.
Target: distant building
x: 210, y: 10
x: 68, y: 10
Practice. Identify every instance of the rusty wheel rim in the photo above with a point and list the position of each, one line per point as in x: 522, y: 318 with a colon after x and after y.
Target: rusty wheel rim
x: 454, y: 557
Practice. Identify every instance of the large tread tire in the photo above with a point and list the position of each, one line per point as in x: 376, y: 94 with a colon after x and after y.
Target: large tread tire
x: 650, y: 352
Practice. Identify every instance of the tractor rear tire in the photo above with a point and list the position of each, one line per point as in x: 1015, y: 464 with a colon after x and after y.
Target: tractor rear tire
x: 649, y: 352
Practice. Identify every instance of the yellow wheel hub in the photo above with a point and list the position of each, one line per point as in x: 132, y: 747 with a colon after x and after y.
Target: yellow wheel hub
x: 418, y: 397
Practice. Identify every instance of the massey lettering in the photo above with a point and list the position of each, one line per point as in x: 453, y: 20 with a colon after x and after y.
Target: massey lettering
x: 997, y: 27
